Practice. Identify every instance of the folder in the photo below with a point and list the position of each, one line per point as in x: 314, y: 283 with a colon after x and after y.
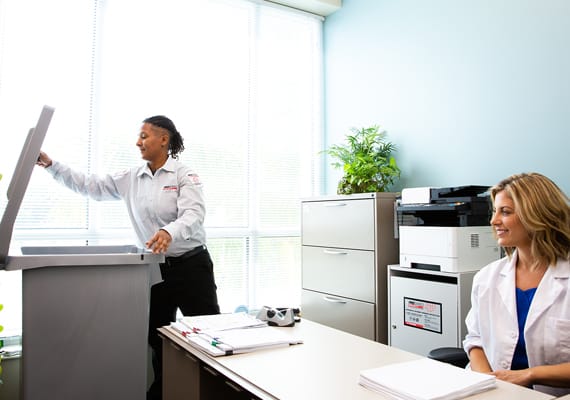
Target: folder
x: 220, y: 322
x: 227, y: 334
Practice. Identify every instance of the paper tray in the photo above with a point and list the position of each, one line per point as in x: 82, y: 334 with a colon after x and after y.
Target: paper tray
x: 63, y: 256
x: 51, y: 250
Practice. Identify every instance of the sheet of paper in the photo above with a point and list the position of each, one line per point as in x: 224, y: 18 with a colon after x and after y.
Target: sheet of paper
x: 425, y: 379
x: 218, y: 322
x: 226, y: 334
x: 251, y: 338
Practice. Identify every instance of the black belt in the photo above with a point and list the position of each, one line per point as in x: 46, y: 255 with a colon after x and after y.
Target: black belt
x: 185, y: 256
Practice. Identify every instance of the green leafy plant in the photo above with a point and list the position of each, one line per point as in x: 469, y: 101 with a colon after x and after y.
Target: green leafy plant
x: 367, y: 161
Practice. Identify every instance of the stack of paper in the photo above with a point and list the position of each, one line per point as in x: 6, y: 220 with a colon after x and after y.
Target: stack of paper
x: 425, y: 379
x: 220, y: 322
x: 226, y: 334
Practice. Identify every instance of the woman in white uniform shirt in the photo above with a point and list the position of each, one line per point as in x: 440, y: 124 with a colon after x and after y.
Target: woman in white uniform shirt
x: 166, y: 206
x: 519, y: 323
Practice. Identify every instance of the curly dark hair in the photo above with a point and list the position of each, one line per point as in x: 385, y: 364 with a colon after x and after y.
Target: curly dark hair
x: 176, y: 142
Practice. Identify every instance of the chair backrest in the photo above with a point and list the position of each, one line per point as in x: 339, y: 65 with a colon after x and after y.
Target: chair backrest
x: 450, y: 355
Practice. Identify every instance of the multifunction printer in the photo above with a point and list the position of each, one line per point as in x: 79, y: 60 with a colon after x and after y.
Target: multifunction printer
x: 446, y: 229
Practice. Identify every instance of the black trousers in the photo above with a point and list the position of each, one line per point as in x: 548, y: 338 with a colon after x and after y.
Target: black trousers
x: 189, y: 284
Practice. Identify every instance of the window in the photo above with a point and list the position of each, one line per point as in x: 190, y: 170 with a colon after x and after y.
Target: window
x: 240, y: 79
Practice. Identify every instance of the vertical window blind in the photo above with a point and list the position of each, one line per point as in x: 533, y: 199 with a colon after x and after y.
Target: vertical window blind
x: 240, y: 79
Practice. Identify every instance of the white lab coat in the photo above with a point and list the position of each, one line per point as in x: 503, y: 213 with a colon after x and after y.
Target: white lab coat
x: 492, y: 321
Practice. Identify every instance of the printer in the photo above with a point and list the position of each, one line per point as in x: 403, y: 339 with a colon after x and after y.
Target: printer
x: 446, y: 229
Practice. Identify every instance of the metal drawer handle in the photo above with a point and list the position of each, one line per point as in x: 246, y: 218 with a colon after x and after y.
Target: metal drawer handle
x: 210, y: 370
x: 234, y: 386
x: 334, y: 300
x: 335, y: 204
x: 335, y: 252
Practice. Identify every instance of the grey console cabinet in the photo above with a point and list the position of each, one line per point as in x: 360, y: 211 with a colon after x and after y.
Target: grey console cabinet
x: 427, y: 309
x: 348, y: 242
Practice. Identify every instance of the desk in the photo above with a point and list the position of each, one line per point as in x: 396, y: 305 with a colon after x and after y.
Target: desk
x: 325, y: 366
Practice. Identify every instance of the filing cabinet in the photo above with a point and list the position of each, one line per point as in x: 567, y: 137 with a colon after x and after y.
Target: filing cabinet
x: 348, y: 241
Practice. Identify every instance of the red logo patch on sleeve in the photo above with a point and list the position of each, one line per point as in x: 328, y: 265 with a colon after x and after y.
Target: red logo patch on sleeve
x: 195, y: 179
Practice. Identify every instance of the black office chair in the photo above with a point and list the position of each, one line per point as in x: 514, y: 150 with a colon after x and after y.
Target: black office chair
x: 450, y: 355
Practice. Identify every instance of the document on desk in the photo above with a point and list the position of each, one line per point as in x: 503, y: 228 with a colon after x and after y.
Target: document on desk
x: 231, y: 335
x: 220, y: 322
x: 425, y: 379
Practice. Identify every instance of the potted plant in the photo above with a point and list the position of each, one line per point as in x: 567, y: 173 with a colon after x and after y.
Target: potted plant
x: 367, y: 161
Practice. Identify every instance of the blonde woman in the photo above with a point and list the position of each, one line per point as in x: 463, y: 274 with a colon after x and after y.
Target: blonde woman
x: 519, y: 323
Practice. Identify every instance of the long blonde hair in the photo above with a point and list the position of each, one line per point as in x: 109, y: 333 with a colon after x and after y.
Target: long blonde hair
x: 544, y: 211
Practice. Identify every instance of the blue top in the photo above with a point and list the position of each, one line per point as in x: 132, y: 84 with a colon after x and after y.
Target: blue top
x: 524, y: 299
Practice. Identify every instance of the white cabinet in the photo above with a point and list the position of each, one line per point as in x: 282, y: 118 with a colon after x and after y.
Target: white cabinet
x: 428, y: 308
x: 347, y: 244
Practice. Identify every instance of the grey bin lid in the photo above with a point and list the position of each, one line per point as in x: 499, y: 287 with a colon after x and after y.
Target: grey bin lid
x: 21, y: 178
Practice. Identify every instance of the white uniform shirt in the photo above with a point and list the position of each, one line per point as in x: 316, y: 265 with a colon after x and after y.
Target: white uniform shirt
x: 171, y: 199
x: 492, y: 321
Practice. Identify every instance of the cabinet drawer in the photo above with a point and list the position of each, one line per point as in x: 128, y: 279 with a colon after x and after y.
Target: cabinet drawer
x: 342, y: 272
x: 339, y: 223
x: 181, y: 373
x: 353, y: 316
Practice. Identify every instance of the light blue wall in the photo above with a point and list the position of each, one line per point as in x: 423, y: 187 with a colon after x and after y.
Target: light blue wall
x: 469, y: 91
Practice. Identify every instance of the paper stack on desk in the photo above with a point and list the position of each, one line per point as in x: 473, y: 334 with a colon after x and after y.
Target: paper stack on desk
x: 226, y: 334
x: 221, y: 322
x: 425, y: 379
